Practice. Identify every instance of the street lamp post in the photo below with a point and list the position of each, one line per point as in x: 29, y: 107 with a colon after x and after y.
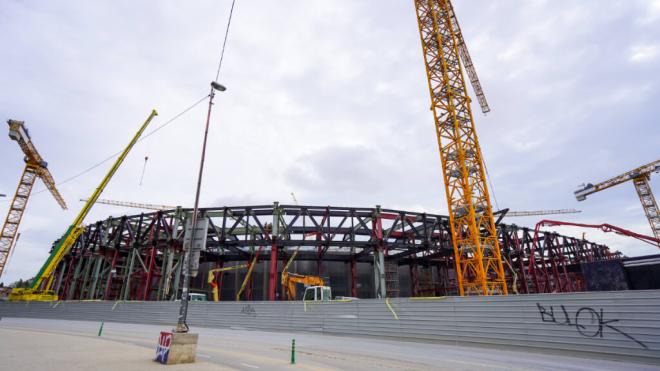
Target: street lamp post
x: 182, y: 325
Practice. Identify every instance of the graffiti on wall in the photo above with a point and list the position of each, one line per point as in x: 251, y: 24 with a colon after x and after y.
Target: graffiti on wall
x: 587, y: 321
x: 249, y: 310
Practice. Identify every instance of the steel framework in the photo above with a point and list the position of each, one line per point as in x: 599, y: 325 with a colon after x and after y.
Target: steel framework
x: 139, y: 257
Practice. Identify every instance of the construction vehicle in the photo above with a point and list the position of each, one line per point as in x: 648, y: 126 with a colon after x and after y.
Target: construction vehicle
x: 479, y: 269
x: 315, y: 288
x: 286, y: 278
x: 640, y: 178
x: 211, y: 278
x: 35, y: 167
x: 603, y: 227
x: 40, y: 289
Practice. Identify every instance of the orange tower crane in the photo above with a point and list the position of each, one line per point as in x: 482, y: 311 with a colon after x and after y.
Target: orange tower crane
x: 35, y: 166
x: 477, y: 256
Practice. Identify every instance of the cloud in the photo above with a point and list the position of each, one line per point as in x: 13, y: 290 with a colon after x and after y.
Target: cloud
x: 643, y: 53
x: 325, y: 99
x: 340, y: 168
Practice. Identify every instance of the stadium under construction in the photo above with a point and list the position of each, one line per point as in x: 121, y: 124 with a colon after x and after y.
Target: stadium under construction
x: 360, y: 252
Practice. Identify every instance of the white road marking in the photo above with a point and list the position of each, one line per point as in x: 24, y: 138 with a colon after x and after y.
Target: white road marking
x: 250, y: 366
x: 203, y: 355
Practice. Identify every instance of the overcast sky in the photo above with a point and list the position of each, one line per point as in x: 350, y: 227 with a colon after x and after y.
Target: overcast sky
x: 327, y: 99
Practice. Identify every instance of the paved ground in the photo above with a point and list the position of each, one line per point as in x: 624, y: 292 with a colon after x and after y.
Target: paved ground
x: 37, y: 344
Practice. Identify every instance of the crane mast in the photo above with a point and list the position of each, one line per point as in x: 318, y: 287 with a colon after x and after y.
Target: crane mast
x: 640, y: 178
x: 35, y: 167
x: 477, y: 256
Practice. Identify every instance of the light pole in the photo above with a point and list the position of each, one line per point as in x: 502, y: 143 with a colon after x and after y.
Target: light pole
x: 182, y: 325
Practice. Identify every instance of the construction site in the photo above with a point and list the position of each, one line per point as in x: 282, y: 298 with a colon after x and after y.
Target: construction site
x: 471, y: 277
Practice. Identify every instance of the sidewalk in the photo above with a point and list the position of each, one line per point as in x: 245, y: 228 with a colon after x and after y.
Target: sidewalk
x: 32, y: 350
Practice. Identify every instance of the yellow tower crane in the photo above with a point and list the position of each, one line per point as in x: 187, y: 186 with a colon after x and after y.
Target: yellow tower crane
x: 640, y: 178
x: 479, y: 269
x: 35, y: 167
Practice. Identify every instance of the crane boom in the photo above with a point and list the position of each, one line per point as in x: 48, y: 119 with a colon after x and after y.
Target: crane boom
x: 538, y: 212
x: 603, y: 227
x: 35, y: 167
x: 589, y: 189
x: 76, y: 228
x: 210, y: 279
x: 467, y: 62
x: 479, y: 268
x: 136, y: 205
x: 640, y: 178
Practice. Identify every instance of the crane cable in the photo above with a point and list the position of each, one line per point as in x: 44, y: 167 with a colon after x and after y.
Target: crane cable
x: 224, y: 42
x: 490, y: 184
x: 217, y: 75
x: 174, y: 118
x: 144, y: 168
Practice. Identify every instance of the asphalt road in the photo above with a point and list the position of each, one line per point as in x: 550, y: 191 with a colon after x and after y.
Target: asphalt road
x: 38, y: 344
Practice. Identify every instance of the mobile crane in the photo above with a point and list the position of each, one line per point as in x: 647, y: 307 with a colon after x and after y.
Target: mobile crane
x: 212, y: 280
x: 640, y: 178
x: 40, y: 289
x: 35, y: 167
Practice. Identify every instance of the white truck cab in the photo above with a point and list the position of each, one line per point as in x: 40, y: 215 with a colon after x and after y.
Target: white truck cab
x: 196, y: 297
x: 317, y: 293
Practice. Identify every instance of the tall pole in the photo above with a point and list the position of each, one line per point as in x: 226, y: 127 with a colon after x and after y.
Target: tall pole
x: 182, y: 325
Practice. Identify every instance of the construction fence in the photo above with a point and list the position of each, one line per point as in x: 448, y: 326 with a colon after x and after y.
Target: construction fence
x: 617, y: 324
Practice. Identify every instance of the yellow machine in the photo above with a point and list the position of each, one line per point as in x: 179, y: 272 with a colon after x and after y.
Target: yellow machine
x: 312, y: 285
x: 35, y: 167
x: 43, y: 281
x: 212, y: 281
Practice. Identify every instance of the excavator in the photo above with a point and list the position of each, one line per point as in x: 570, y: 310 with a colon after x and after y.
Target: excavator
x: 315, y: 288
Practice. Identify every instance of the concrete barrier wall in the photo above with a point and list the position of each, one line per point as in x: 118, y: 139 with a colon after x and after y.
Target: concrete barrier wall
x: 620, y: 323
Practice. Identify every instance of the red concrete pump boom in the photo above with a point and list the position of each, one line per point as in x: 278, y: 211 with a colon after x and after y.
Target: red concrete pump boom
x: 603, y: 227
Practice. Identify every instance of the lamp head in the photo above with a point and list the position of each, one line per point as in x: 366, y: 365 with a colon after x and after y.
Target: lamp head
x: 217, y: 86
